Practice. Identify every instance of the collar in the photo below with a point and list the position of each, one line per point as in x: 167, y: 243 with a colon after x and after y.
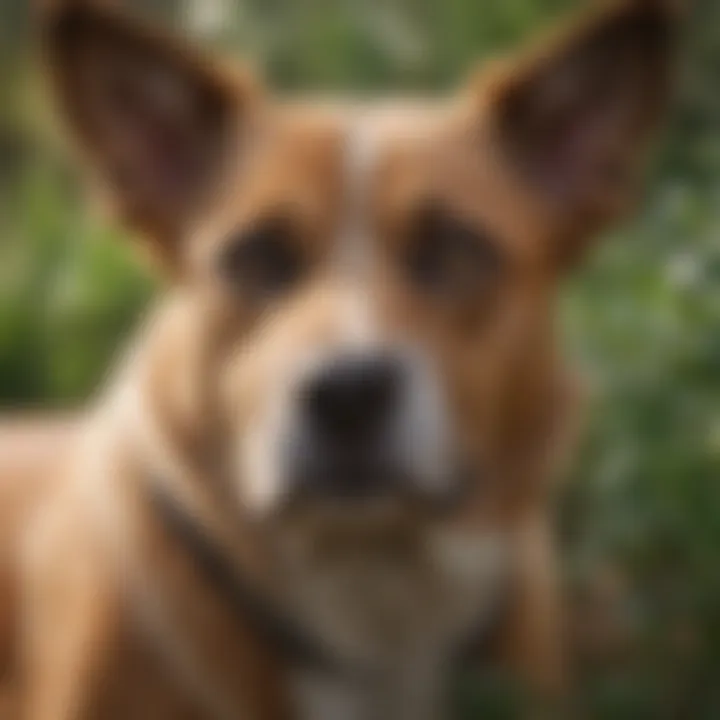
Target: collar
x: 248, y: 604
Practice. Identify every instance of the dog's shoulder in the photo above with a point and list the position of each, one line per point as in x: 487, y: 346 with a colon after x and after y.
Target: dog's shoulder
x: 65, y: 623
x: 33, y: 454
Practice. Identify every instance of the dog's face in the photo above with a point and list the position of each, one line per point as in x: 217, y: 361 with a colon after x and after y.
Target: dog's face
x: 368, y: 288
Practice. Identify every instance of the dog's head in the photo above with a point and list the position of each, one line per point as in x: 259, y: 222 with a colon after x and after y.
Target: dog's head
x: 363, y: 293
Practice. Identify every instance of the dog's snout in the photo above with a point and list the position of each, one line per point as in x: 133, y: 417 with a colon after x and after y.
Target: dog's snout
x: 353, y: 396
x: 367, y: 425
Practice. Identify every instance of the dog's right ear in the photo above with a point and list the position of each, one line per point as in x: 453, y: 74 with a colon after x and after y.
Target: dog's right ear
x: 574, y: 116
x: 155, y: 120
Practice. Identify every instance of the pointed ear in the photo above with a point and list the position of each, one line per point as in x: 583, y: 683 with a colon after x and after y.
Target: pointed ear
x: 574, y: 115
x: 155, y: 120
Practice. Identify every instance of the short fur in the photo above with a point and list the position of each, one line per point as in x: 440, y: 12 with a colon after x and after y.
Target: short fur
x: 103, y: 614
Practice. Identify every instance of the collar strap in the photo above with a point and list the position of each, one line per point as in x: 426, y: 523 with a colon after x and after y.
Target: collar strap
x: 248, y: 605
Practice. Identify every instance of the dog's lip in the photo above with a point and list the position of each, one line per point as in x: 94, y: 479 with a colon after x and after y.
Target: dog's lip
x: 351, y: 478
x: 351, y: 482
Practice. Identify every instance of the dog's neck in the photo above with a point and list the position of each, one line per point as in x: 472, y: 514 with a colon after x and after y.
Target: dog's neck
x: 324, y: 685
x: 251, y: 604
x: 192, y: 589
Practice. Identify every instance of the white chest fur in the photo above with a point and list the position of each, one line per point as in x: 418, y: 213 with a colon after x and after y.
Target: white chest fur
x: 400, y: 613
x: 411, y: 692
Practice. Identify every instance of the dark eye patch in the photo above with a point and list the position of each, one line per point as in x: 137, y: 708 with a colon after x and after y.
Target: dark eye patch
x: 446, y: 254
x: 264, y: 260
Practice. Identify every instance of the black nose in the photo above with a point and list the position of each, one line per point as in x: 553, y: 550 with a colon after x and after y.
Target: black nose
x: 351, y: 397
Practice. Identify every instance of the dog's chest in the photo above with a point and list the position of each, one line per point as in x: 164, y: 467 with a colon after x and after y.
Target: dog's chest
x: 411, y: 692
x: 398, y: 619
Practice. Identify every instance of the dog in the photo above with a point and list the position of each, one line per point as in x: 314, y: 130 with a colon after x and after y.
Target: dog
x: 323, y: 471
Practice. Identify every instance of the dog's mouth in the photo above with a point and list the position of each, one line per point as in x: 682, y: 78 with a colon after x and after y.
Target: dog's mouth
x: 373, y: 480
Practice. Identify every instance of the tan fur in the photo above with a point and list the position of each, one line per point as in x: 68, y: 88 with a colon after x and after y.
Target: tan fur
x: 102, y: 614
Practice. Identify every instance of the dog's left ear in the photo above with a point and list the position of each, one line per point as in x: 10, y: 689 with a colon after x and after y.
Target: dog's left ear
x: 573, y: 117
x: 156, y: 120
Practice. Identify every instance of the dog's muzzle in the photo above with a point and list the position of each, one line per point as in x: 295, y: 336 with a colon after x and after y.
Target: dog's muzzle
x: 367, y: 425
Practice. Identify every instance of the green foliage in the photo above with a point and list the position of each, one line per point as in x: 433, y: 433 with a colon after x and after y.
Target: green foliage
x: 645, y: 499
x: 643, y: 505
x: 68, y: 292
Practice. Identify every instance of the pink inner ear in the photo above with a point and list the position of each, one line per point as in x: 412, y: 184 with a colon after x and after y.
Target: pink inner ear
x: 569, y: 160
x: 156, y: 139
x: 581, y: 147
x: 165, y: 154
x: 574, y: 118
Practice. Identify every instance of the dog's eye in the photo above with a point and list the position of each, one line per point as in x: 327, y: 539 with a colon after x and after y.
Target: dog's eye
x: 263, y: 261
x: 445, y: 254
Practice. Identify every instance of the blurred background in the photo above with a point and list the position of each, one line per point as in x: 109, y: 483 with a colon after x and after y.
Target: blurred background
x: 640, y: 517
